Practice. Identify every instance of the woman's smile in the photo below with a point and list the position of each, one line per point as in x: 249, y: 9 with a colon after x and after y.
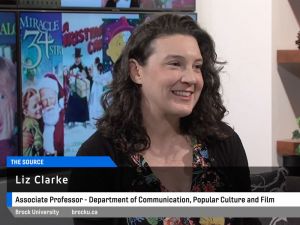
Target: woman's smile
x: 183, y: 93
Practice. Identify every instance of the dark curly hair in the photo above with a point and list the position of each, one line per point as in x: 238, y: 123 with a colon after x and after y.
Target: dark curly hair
x: 122, y: 121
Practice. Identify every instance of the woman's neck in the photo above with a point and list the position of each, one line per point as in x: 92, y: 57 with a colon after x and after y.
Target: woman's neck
x: 160, y: 127
x: 167, y: 142
x: 170, y: 155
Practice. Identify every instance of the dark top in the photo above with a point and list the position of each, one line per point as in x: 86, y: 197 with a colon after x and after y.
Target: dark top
x: 222, y: 156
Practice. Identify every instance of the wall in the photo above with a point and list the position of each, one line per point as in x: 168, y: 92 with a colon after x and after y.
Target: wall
x: 242, y: 32
x: 285, y: 85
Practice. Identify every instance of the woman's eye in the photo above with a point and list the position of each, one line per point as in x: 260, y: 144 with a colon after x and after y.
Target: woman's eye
x: 198, y: 67
x: 174, y: 64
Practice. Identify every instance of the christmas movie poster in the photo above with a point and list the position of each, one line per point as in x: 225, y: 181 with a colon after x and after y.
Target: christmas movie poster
x: 91, y: 46
x: 8, y: 87
x: 42, y: 84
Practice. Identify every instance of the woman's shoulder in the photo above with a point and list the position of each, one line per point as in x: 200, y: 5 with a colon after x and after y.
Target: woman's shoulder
x: 228, y: 154
x: 228, y: 151
x: 96, y: 145
x: 230, y: 136
x: 99, y: 145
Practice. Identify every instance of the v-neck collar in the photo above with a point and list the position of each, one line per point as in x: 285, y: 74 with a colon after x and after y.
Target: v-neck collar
x: 200, y: 165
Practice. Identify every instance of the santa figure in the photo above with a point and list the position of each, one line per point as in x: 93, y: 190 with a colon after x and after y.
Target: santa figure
x: 52, y: 100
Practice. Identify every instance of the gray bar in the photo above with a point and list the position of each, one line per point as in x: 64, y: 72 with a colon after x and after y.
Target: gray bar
x: 68, y: 212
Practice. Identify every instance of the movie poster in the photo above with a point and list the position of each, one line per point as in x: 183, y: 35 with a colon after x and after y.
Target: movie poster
x: 91, y: 46
x: 42, y: 84
x: 8, y: 87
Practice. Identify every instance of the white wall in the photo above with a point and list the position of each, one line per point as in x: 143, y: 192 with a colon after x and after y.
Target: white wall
x: 242, y: 32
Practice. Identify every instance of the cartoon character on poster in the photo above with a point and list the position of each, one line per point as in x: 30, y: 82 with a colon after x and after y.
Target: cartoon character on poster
x: 116, y: 34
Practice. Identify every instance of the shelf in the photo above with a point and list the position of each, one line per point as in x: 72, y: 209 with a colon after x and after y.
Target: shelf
x: 290, y: 60
x: 288, y: 56
x: 287, y: 147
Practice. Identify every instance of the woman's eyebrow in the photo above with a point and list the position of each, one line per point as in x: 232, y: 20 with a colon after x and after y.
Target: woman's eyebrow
x: 174, y: 57
x: 180, y: 57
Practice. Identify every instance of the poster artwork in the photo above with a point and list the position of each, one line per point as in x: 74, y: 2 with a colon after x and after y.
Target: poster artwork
x: 42, y: 84
x: 8, y: 87
x: 91, y: 46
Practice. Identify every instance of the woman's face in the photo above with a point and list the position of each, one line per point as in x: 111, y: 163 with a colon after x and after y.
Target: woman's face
x: 171, y: 81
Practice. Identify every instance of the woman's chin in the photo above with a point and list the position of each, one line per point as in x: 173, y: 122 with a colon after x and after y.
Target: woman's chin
x: 182, y: 113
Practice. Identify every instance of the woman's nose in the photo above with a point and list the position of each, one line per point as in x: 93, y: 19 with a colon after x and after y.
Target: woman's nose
x: 189, y: 76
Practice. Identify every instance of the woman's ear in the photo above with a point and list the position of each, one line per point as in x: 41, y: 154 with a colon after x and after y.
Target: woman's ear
x: 135, y: 71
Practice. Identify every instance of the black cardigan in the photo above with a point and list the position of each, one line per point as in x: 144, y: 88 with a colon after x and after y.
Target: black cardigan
x: 227, y: 156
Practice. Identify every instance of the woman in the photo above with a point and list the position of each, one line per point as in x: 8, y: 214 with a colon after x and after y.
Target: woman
x: 163, y: 117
